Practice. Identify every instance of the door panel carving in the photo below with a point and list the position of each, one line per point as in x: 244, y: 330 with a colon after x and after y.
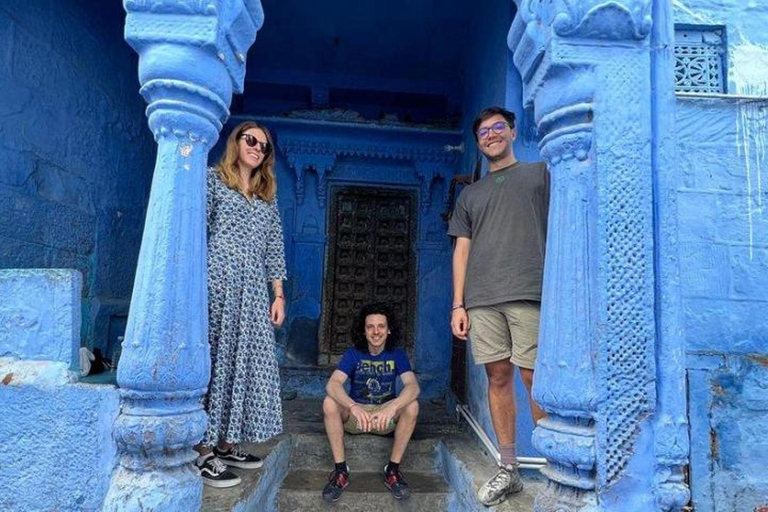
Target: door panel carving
x: 370, y: 259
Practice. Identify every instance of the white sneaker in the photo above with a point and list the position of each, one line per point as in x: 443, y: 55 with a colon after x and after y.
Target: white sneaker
x: 505, y: 482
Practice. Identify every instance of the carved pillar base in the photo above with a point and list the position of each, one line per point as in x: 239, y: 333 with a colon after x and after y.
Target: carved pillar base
x: 155, y: 433
x: 569, y: 444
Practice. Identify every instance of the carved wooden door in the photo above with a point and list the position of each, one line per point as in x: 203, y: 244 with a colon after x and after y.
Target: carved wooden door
x: 370, y: 259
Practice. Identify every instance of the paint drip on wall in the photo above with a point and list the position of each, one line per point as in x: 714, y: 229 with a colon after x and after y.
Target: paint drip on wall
x: 748, y: 75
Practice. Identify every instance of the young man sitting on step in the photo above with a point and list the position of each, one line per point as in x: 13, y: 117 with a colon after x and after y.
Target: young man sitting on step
x: 372, y: 366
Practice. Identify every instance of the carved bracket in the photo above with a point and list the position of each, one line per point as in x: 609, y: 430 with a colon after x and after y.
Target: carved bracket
x: 224, y: 30
x: 430, y: 162
x: 428, y: 173
x: 540, y: 24
x: 322, y: 163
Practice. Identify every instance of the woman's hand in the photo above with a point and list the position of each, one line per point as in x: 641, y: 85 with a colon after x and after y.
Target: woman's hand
x: 277, y: 312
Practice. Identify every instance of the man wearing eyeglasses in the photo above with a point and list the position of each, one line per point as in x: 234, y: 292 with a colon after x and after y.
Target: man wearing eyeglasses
x: 500, y: 227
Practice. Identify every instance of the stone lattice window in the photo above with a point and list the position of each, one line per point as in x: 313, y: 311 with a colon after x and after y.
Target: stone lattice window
x: 699, y: 63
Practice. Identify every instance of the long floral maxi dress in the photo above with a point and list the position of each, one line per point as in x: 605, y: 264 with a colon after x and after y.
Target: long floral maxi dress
x: 245, y: 253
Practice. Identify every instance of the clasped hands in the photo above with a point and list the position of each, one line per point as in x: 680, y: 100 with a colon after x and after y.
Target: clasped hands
x: 367, y: 422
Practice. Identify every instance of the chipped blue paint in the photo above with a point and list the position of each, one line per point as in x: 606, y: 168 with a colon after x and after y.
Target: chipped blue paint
x: 723, y: 239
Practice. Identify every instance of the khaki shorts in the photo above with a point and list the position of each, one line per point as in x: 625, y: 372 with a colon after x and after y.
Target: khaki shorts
x: 351, y: 427
x: 509, y: 330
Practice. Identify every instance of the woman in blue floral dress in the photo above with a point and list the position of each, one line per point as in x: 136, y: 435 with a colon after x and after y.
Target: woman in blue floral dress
x: 245, y: 253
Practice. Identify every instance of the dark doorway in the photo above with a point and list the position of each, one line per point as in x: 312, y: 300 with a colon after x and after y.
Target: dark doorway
x: 370, y: 259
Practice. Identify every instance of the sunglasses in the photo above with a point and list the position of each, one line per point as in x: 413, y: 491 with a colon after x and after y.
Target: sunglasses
x: 253, y: 142
x: 495, y: 127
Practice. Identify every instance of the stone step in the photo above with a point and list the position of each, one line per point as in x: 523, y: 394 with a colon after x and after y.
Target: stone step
x: 363, y: 452
x: 259, y: 488
x: 305, y: 381
x: 467, y: 466
x: 305, y: 416
x: 302, y: 491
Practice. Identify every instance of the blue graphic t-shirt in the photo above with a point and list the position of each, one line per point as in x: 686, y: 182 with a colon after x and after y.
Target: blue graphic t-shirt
x: 372, y: 378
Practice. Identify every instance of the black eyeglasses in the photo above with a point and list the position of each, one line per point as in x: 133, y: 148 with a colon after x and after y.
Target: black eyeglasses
x: 253, y: 142
x: 496, y: 127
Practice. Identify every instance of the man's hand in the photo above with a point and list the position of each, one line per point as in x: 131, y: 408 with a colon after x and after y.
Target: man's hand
x: 460, y: 323
x: 383, y: 417
x: 362, y: 417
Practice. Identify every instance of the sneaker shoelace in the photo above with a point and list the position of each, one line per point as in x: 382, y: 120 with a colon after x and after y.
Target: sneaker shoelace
x: 500, y: 480
x: 239, y: 452
x: 338, y: 478
x: 217, y: 466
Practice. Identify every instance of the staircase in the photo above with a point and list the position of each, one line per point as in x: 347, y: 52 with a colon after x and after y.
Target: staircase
x: 311, y: 463
x: 297, y: 465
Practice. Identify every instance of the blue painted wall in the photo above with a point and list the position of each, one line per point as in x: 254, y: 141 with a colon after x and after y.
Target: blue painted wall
x: 60, y: 432
x: 723, y: 233
x: 62, y: 440
x: 724, y: 260
x: 75, y: 151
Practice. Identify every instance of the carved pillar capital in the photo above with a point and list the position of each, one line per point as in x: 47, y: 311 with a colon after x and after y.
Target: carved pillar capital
x: 590, y: 19
x: 165, y: 365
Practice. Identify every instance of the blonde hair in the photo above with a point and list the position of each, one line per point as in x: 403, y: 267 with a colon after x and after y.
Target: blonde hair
x: 263, y: 183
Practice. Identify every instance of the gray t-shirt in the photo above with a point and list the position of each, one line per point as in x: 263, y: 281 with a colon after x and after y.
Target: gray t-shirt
x: 505, y: 216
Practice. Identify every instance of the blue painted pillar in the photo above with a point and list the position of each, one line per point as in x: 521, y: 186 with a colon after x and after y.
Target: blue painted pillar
x: 192, y: 56
x: 671, y: 429
x: 591, y: 75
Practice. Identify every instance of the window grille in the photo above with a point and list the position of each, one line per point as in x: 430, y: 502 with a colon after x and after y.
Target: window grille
x: 699, y: 56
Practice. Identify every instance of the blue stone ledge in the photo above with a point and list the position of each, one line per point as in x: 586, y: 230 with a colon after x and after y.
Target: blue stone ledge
x: 58, y: 448
x: 40, y: 315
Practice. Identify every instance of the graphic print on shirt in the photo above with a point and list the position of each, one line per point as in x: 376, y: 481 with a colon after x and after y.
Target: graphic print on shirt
x: 375, y: 380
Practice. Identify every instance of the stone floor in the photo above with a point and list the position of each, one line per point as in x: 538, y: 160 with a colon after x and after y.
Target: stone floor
x: 444, y: 466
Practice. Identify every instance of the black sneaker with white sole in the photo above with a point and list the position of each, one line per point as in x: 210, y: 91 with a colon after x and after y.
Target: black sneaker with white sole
x: 236, y: 457
x: 214, y: 472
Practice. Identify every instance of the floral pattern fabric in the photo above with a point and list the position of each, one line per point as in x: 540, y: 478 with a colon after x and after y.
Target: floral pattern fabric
x: 245, y: 253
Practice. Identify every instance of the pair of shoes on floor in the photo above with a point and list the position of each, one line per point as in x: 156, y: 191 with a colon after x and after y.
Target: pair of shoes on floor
x: 213, y: 467
x: 339, y: 480
x: 505, y: 482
